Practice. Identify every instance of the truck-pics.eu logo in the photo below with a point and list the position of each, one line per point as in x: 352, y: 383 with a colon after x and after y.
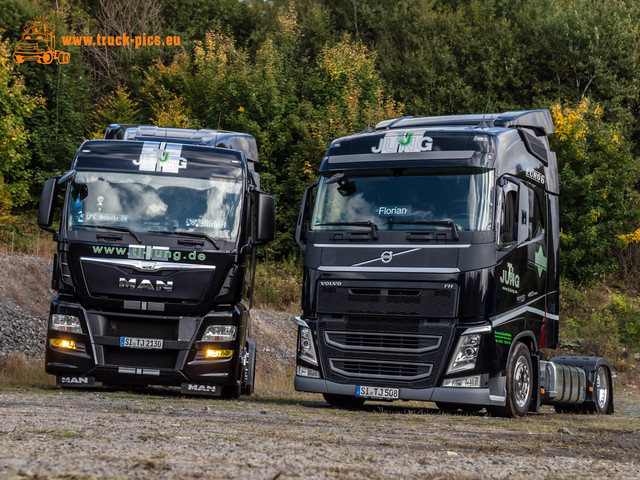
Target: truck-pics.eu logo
x: 38, y: 44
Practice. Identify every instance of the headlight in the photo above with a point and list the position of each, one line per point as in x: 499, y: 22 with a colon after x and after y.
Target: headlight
x: 306, y: 350
x: 220, y: 333
x: 65, y: 323
x: 465, y: 354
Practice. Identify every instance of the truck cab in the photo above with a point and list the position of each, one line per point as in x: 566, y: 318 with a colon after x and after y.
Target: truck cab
x: 431, y: 267
x: 155, y: 260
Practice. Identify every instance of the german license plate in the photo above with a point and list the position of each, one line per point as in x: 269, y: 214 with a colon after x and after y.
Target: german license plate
x: 378, y: 393
x: 148, y: 343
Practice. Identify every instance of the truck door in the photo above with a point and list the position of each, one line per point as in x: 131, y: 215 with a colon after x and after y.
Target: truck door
x: 521, y: 268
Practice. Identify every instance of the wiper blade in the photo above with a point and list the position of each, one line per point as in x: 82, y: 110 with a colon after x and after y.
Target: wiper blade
x: 370, y: 224
x: 435, y: 223
x: 188, y: 234
x: 113, y: 228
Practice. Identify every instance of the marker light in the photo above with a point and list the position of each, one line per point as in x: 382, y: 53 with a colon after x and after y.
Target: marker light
x: 220, y: 333
x: 61, y: 343
x: 65, y: 323
x: 465, y: 354
x: 465, y: 382
x: 307, y: 372
x: 209, y: 353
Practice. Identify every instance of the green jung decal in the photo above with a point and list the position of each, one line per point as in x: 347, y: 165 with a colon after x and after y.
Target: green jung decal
x: 502, y: 337
x: 406, y: 141
x: 540, y: 261
x: 164, y: 157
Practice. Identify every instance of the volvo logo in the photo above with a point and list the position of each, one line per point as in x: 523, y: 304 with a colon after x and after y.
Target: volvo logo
x: 330, y: 284
x: 386, y: 256
x: 145, y: 284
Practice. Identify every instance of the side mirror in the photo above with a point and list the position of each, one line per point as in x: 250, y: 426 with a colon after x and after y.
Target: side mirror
x: 45, y: 210
x: 306, y: 208
x: 266, y: 219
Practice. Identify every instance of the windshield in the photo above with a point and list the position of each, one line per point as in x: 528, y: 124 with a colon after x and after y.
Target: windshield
x: 399, y: 200
x: 156, y: 202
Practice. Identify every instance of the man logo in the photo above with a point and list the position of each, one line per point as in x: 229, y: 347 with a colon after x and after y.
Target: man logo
x: 145, y: 284
x: 386, y: 256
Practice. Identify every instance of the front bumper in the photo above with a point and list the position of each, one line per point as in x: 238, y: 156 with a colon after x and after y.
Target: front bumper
x: 98, y: 353
x: 492, y: 396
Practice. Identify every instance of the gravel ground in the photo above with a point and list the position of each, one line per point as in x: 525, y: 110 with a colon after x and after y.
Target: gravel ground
x: 49, y: 434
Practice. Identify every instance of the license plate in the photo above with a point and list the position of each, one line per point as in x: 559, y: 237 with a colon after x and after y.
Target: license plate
x: 149, y: 343
x: 378, y: 393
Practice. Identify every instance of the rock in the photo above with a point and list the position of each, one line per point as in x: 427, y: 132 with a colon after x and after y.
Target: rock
x: 564, y: 431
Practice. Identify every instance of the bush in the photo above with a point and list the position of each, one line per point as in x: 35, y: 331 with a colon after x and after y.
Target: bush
x: 278, y: 286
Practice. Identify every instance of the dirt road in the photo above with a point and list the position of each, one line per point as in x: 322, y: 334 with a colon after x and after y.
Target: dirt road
x: 49, y: 433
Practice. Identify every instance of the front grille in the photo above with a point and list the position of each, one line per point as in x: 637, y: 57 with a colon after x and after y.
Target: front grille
x: 382, y: 342
x: 381, y: 370
x: 136, y: 327
x: 420, y: 299
x: 383, y: 350
x: 140, y: 358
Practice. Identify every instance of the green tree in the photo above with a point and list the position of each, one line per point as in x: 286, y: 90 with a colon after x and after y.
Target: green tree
x: 16, y: 105
x: 598, y: 200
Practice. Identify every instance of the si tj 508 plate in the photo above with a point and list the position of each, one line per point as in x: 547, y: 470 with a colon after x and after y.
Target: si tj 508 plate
x: 377, y: 393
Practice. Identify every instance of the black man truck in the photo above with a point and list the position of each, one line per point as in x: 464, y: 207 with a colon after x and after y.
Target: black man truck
x: 155, y: 260
x: 431, y: 270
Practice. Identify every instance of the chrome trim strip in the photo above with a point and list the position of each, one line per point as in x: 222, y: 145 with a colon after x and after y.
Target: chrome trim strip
x: 474, y: 330
x: 300, y: 322
x: 505, y: 317
x: 386, y: 246
x: 147, y: 265
x: 347, y: 268
x: 384, y: 377
x: 381, y: 349
x: 379, y: 259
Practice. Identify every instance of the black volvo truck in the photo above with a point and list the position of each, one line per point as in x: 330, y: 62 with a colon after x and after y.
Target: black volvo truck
x: 431, y: 270
x: 155, y: 261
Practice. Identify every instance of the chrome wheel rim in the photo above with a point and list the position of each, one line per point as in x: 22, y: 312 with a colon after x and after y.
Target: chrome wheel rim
x: 521, y: 382
x: 602, y: 389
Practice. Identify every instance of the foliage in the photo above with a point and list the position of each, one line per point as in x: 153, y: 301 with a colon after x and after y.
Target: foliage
x: 599, y: 203
x: 278, y: 285
x: 15, y: 106
x: 597, y: 321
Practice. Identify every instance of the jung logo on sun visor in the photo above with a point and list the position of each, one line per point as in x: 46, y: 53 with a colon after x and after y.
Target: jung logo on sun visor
x: 145, y: 284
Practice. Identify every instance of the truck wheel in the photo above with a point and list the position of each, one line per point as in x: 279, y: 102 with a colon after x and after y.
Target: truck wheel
x: 342, y: 401
x: 519, y: 384
x: 601, y: 393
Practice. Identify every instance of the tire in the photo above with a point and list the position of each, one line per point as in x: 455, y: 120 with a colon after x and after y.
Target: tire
x: 343, y: 401
x: 519, y: 384
x: 601, y: 393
